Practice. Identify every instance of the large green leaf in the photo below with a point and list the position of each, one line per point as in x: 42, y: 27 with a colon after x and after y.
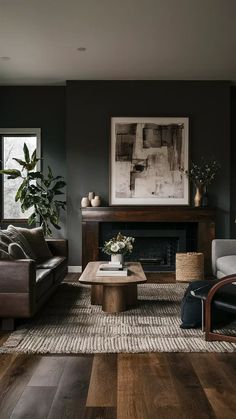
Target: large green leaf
x: 26, y: 153
x: 59, y: 185
x: 21, y: 162
x: 13, y: 173
x: 20, y: 190
x: 32, y: 218
x: 35, y: 175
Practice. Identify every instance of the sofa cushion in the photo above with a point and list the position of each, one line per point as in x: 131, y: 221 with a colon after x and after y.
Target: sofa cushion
x: 17, y: 237
x: 226, y: 264
x: 58, y: 264
x: 5, y: 238
x: 16, y: 251
x: 4, y: 255
x: 44, y: 281
x: 37, y: 242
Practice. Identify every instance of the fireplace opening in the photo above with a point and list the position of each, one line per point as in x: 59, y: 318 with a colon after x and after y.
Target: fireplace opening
x: 156, y: 244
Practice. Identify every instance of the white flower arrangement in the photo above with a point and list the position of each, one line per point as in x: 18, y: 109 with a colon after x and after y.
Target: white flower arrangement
x: 118, y: 245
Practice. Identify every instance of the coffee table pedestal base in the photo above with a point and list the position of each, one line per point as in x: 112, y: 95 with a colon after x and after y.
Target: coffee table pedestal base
x: 114, y: 299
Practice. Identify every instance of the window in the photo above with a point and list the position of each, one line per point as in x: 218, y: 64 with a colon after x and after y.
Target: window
x: 12, y: 142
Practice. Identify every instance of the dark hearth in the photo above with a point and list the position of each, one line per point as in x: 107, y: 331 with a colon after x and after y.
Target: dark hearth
x: 155, y: 243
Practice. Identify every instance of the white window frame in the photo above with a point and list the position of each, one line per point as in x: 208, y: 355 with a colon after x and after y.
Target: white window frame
x: 21, y: 132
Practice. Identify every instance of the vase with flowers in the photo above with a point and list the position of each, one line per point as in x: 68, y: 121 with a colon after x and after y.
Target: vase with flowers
x: 201, y: 175
x: 118, y: 246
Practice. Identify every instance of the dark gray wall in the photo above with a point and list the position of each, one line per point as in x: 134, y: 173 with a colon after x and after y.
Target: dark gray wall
x: 89, y: 108
x: 39, y: 107
x: 233, y: 163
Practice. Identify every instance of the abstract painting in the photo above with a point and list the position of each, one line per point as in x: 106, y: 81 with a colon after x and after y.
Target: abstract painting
x: 146, y: 157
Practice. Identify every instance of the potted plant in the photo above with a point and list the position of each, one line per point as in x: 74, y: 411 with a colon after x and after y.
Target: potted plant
x: 118, y: 246
x: 38, y: 191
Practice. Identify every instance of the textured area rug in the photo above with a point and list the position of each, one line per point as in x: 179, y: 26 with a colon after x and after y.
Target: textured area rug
x: 68, y: 324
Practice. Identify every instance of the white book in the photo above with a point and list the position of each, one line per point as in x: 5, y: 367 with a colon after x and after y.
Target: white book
x: 123, y: 272
x: 108, y: 266
x: 114, y: 263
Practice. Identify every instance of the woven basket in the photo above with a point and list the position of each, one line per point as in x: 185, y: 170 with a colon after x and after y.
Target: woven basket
x: 189, y: 267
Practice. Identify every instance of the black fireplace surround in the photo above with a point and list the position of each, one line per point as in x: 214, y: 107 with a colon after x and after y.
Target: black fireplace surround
x: 155, y: 244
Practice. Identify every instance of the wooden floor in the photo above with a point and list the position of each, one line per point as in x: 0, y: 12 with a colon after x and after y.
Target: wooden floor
x: 123, y: 386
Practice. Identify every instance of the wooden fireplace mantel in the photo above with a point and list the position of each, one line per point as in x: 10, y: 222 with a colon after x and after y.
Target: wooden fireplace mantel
x: 92, y: 217
x: 148, y: 214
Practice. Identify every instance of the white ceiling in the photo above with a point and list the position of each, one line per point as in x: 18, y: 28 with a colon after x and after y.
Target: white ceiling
x: 125, y: 39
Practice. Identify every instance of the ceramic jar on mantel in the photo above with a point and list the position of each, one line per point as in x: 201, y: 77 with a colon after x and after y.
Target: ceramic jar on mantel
x: 85, y: 202
x: 96, y: 201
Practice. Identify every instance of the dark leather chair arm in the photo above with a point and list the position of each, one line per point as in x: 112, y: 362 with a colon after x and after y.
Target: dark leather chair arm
x: 58, y: 247
x: 17, y: 276
x: 225, y: 281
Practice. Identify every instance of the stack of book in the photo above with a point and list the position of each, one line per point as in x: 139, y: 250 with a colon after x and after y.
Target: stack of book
x: 112, y: 269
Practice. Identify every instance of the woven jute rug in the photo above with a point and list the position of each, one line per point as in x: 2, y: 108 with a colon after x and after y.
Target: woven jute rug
x: 68, y: 324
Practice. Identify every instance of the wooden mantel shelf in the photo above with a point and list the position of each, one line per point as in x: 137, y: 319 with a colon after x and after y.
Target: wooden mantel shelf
x: 149, y: 214
x: 93, y: 217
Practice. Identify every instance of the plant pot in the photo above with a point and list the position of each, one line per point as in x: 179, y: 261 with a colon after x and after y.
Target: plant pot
x: 118, y: 258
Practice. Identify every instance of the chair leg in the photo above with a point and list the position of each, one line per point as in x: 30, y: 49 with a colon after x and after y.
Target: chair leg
x: 203, y: 316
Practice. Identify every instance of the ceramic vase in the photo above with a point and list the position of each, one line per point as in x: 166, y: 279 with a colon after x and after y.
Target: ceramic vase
x: 91, y: 195
x: 96, y: 201
x: 198, y: 196
x: 117, y: 258
x: 85, y: 202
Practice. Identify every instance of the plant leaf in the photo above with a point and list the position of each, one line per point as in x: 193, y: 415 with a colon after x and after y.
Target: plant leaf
x: 21, y: 162
x: 19, y: 192
x: 26, y: 153
x: 13, y: 173
x: 32, y: 218
x: 59, y: 185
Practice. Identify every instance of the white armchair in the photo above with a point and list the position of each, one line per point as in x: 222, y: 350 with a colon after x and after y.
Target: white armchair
x: 223, y: 257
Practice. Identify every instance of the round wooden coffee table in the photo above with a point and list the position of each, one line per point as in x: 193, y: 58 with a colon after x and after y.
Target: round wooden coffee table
x: 115, y: 294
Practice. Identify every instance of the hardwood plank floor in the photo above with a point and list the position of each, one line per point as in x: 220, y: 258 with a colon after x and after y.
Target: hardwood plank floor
x: 123, y: 386
x: 134, y: 386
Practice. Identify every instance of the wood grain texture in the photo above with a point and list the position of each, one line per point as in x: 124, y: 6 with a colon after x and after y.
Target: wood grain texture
x: 35, y: 402
x: 134, y: 386
x: 70, y: 398
x: 136, y: 275
x: 103, y: 383
x: 48, y: 372
x: 114, y: 299
x: 13, y: 382
x: 218, y: 380
x: 185, y: 381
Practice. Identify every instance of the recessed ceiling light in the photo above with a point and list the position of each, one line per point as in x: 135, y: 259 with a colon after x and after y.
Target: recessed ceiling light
x: 5, y: 58
x: 81, y: 49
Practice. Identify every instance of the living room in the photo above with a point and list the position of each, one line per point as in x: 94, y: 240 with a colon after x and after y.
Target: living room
x: 127, y: 104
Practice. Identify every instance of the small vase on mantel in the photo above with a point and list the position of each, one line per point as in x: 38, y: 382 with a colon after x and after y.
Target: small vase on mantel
x: 198, y: 196
x: 118, y: 258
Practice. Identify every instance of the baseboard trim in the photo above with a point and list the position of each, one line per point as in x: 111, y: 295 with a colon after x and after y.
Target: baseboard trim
x: 74, y: 269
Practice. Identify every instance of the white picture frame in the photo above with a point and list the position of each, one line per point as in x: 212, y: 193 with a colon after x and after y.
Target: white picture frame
x: 146, y: 156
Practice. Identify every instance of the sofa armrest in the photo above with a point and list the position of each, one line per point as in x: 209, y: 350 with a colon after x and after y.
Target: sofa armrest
x: 17, y: 276
x: 58, y: 247
x: 222, y: 247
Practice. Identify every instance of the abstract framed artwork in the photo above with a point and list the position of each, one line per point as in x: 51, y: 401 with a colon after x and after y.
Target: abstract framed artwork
x: 146, y: 157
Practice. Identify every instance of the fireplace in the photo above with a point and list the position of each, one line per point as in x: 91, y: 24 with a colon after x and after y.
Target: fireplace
x: 155, y: 244
x: 160, y: 232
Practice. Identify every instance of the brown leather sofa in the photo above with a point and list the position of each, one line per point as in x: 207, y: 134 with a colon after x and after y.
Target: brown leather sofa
x: 25, y: 286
